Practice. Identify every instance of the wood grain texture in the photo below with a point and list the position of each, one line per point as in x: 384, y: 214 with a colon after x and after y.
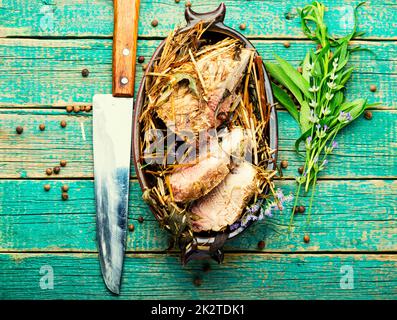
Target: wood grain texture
x: 29, y: 154
x: 35, y: 220
x: 41, y: 73
x: 255, y: 276
x: 266, y: 18
x: 125, y: 37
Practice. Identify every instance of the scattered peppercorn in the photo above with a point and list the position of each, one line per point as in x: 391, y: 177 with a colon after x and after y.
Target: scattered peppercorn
x: 206, y: 267
x: 141, y: 59
x: 372, y: 87
x: 69, y: 109
x: 197, y: 282
x: 63, y: 163
x: 177, y: 1
x: 300, y: 170
x: 155, y: 23
x: 306, y: 238
x: 261, y: 244
x: 85, y: 73
x: 48, y: 171
x: 368, y: 115
x: 63, y: 123
x: 65, y: 196
x: 188, y: 4
x: 47, y: 187
x: 65, y: 188
x: 82, y: 108
x: 140, y: 219
x: 131, y: 227
x: 19, y: 129
x: 300, y: 69
x: 42, y: 127
x: 57, y: 169
x: 295, y: 210
x: 76, y: 109
x: 88, y: 108
x: 286, y: 44
x: 284, y: 164
x: 301, y: 209
x: 243, y: 26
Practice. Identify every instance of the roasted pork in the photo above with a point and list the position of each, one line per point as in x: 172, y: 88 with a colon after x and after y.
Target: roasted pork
x: 184, y: 109
x: 225, y: 203
x: 194, y: 181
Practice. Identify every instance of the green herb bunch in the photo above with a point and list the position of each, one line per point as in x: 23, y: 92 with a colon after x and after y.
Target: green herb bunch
x: 316, y: 97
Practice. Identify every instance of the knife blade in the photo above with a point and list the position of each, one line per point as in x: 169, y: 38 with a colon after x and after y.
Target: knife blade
x: 112, y: 134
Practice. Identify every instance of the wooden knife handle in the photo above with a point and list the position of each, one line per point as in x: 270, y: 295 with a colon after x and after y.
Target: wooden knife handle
x: 125, y: 34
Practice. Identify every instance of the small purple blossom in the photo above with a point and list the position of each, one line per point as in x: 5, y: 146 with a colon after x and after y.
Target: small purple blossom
x: 318, y: 126
x: 325, y: 128
x: 309, y: 139
x: 325, y: 162
x: 348, y: 116
x: 235, y: 226
x: 334, y: 144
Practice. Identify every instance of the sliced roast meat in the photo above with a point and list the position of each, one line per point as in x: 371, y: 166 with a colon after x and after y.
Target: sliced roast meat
x: 225, y: 203
x: 183, y: 109
x: 194, y: 181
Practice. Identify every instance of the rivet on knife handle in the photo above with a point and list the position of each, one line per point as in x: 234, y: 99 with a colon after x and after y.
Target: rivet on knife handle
x: 125, y: 36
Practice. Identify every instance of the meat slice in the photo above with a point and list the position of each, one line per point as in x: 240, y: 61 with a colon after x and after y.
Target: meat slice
x: 193, y: 182
x: 183, y: 109
x: 224, y: 204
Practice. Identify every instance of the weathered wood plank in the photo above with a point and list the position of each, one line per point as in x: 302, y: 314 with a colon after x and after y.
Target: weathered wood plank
x: 264, y: 18
x: 29, y: 154
x: 254, y: 276
x: 41, y: 73
x: 347, y: 216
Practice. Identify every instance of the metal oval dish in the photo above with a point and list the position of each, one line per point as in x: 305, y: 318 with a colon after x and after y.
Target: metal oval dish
x: 209, y: 244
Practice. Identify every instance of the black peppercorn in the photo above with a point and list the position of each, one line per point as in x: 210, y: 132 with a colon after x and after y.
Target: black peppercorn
x: 301, y: 209
x: 57, y: 169
x: 261, y: 244
x: 306, y: 238
x: 368, y: 115
x: 63, y: 123
x: 42, y: 127
x: 48, y: 171
x: 19, y: 129
x: 47, y: 187
x: 372, y: 87
x: 63, y: 163
x: 155, y: 23
x: 131, y: 227
x: 65, y: 188
x: 286, y: 44
x: 140, y: 219
x: 197, y: 282
x: 141, y: 59
x: 243, y: 26
x: 284, y: 164
x: 69, y: 109
x: 300, y: 170
x: 65, y: 196
x: 85, y: 73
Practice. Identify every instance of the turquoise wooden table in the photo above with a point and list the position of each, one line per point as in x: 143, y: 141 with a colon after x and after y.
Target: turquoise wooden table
x: 45, y: 45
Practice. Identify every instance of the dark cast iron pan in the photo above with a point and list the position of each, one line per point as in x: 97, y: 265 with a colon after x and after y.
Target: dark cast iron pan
x: 206, y: 245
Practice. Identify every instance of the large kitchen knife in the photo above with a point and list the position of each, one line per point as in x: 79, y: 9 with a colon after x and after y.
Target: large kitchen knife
x: 112, y: 129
